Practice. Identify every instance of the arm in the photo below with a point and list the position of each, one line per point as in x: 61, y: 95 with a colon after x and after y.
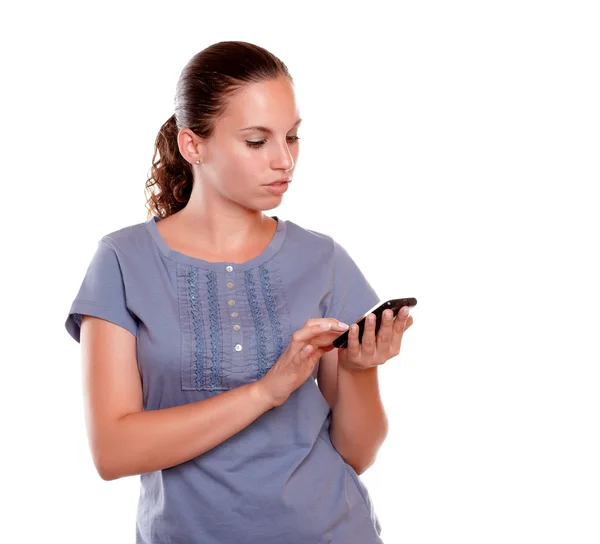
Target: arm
x: 359, y: 424
x: 124, y: 439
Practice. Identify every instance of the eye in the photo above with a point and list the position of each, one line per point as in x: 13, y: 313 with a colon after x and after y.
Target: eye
x: 257, y: 144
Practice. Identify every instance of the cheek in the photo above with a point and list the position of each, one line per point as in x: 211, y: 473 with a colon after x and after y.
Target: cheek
x: 241, y: 169
x: 234, y: 160
x: 247, y: 165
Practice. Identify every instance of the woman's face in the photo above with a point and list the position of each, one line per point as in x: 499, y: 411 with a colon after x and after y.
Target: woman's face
x: 239, y: 162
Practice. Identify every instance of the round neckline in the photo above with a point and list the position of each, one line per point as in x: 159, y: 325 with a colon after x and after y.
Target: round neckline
x: 273, y: 247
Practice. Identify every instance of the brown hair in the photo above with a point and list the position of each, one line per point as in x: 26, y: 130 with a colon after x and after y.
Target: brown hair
x: 205, y: 83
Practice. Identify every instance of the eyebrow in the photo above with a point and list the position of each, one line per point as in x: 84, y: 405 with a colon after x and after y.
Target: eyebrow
x: 268, y: 130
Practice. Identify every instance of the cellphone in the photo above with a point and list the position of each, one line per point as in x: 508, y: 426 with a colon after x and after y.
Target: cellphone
x: 394, y: 304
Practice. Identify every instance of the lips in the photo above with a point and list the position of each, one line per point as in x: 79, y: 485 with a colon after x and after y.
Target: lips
x: 284, y: 180
x: 278, y: 188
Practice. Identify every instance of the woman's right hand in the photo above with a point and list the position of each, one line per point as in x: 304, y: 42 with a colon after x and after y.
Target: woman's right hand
x: 298, y: 360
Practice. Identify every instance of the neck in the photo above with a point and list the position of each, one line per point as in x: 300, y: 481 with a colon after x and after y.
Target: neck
x: 224, y: 227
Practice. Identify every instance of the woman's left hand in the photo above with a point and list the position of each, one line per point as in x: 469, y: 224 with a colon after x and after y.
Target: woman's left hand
x: 375, y: 350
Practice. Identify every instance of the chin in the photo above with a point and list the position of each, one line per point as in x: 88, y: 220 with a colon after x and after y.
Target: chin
x: 266, y: 205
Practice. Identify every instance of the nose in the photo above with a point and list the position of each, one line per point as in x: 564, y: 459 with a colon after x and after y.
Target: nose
x: 284, y: 159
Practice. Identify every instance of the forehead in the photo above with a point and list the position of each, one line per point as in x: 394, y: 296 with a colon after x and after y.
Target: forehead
x: 270, y: 103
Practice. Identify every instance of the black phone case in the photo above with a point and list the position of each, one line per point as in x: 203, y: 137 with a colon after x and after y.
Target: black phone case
x: 394, y: 304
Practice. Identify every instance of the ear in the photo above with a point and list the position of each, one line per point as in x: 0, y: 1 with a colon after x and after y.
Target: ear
x: 190, y: 146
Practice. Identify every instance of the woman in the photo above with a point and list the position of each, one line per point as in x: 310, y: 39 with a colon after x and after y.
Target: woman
x: 204, y: 328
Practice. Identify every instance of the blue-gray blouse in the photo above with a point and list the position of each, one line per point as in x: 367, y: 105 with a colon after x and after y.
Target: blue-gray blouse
x: 206, y: 327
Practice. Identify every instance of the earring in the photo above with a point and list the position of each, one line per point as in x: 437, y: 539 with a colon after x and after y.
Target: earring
x: 197, y: 161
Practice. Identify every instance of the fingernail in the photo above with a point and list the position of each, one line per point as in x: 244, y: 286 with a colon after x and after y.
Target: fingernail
x: 308, y: 347
x: 342, y: 325
x: 325, y: 325
x: 405, y: 311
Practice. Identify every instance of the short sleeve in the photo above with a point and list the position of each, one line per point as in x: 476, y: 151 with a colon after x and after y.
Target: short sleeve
x: 351, y: 294
x: 102, y: 293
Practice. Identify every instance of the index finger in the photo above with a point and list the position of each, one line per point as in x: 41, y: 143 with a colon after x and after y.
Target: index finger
x: 335, y: 324
x: 307, y: 333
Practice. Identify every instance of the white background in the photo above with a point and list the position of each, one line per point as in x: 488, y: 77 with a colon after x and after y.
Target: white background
x: 451, y: 147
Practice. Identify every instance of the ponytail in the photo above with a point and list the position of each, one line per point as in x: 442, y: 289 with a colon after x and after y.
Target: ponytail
x: 171, y: 179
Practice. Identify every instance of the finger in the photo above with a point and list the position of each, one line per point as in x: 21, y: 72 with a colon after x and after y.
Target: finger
x: 409, y: 322
x: 306, y: 333
x: 399, y: 328
x: 304, y: 354
x: 317, y: 353
x: 323, y: 333
x: 301, y: 337
x: 368, y: 341
x: 384, y: 336
x: 309, y: 355
x: 353, y: 343
x: 311, y: 332
x: 401, y: 318
x: 323, y: 340
x: 396, y: 342
x: 335, y: 324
